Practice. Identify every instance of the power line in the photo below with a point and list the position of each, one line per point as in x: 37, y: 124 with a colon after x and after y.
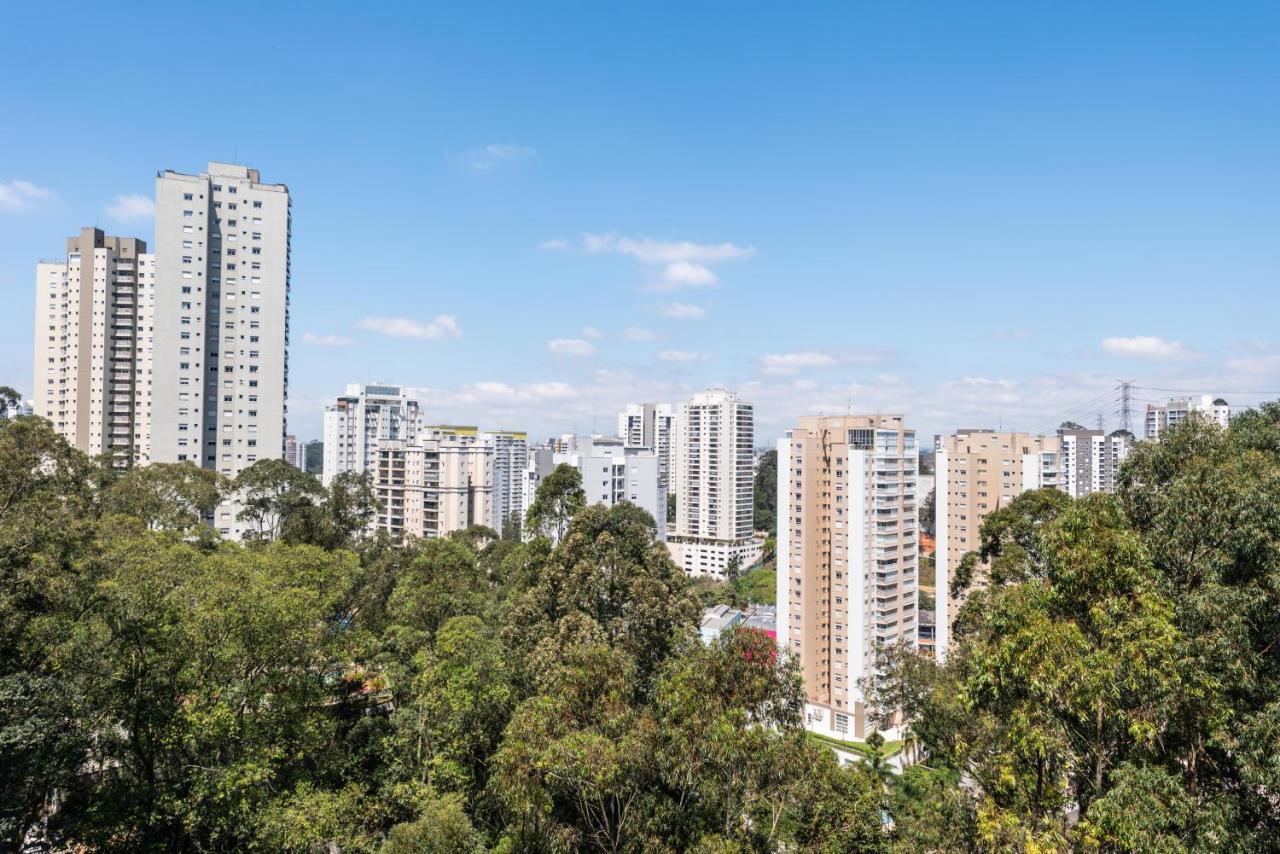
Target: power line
x: 1200, y: 391
x: 1076, y: 411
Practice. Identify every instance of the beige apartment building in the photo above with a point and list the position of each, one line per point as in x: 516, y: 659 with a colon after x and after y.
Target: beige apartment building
x: 976, y: 472
x: 436, y: 484
x: 95, y: 316
x: 847, y: 557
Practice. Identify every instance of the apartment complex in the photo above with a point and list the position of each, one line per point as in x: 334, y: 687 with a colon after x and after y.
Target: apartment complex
x: 356, y: 421
x: 295, y: 452
x: 975, y: 472
x: 510, y: 462
x: 1091, y: 459
x: 711, y: 475
x: 435, y: 484
x: 651, y: 426
x: 611, y: 473
x: 1159, y: 418
x: 94, y: 326
x: 221, y: 322
x: 847, y: 557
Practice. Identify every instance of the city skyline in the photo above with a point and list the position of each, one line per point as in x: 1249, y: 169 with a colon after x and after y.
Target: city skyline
x: 534, y: 232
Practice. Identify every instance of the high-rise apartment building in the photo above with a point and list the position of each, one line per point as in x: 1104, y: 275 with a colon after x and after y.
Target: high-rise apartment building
x: 847, y: 557
x: 356, y: 421
x: 611, y: 473
x: 976, y: 472
x: 435, y: 484
x: 294, y: 453
x: 95, y: 314
x: 1091, y: 459
x: 510, y: 461
x: 1159, y: 418
x: 221, y: 322
x: 712, y: 479
x: 652, y: 426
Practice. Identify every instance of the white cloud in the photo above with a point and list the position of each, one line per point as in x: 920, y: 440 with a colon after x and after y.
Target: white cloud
x: 484, y: 159
x: 685, y: 274
x: 131, y: 207
x: 591, y: 332
x: 570, y: 347
x: 326, y: 340
x: 18, y: 195
x: 441, y: 326
x: 639, y: 333
x: 1147, y: 347
x: 682, y: 356
x: 781, y: 364
x: 684, y: 311
x: 788, y: 363
x: 672, y: 264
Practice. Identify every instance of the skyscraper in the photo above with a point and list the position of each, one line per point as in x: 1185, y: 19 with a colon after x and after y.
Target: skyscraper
x: 222, y: 322
x: 293, y: 453
x: 847, y: 557
x: 976, y: 472
x: 356, y: 421
x: 510, y: 459
x: 651, y: 426
x: 93, y: 345
x: 712, y: 479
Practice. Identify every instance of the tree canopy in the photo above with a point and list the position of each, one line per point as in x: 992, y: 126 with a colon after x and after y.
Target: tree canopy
x: 319, y: 688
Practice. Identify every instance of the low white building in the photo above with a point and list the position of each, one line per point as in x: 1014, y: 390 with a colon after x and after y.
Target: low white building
x: 1160, y: 418
x: 611, y: 474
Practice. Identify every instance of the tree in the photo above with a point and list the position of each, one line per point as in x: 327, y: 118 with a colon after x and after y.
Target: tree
x: 928, y: 512
x: 733, y: 569
x: 278, y: 500
x: 10, y: 402
x: 450, y: 716
x: 558, y: 500
x: 608, y: 580
x: 167, y: 496
x: 765, y: 489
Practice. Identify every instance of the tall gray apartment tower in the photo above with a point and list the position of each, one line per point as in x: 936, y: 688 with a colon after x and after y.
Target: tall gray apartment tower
x: 221, y: 374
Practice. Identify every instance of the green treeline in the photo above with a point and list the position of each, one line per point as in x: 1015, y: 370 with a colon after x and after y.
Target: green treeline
x: 319, y: 689
x: 1114, y: 684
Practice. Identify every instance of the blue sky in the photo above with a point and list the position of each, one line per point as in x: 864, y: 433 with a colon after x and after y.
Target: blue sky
x: 974, y: 213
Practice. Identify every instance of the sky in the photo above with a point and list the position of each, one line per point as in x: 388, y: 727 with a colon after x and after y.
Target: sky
x: 975, y: 214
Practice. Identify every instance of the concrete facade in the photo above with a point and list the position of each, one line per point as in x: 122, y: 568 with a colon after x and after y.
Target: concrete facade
x: 356, y: 421
x: 976, y: 472
x: 847, y: 557
x: 712, y: 477
x: 222, y: 276
x: 94, y: 329
x: 439, y: 483
x: 1160, y: 418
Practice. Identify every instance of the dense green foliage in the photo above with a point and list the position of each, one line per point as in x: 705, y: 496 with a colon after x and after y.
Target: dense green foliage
x: 321, y: 689
x: 766, y: 494
x: 1115, y: 682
